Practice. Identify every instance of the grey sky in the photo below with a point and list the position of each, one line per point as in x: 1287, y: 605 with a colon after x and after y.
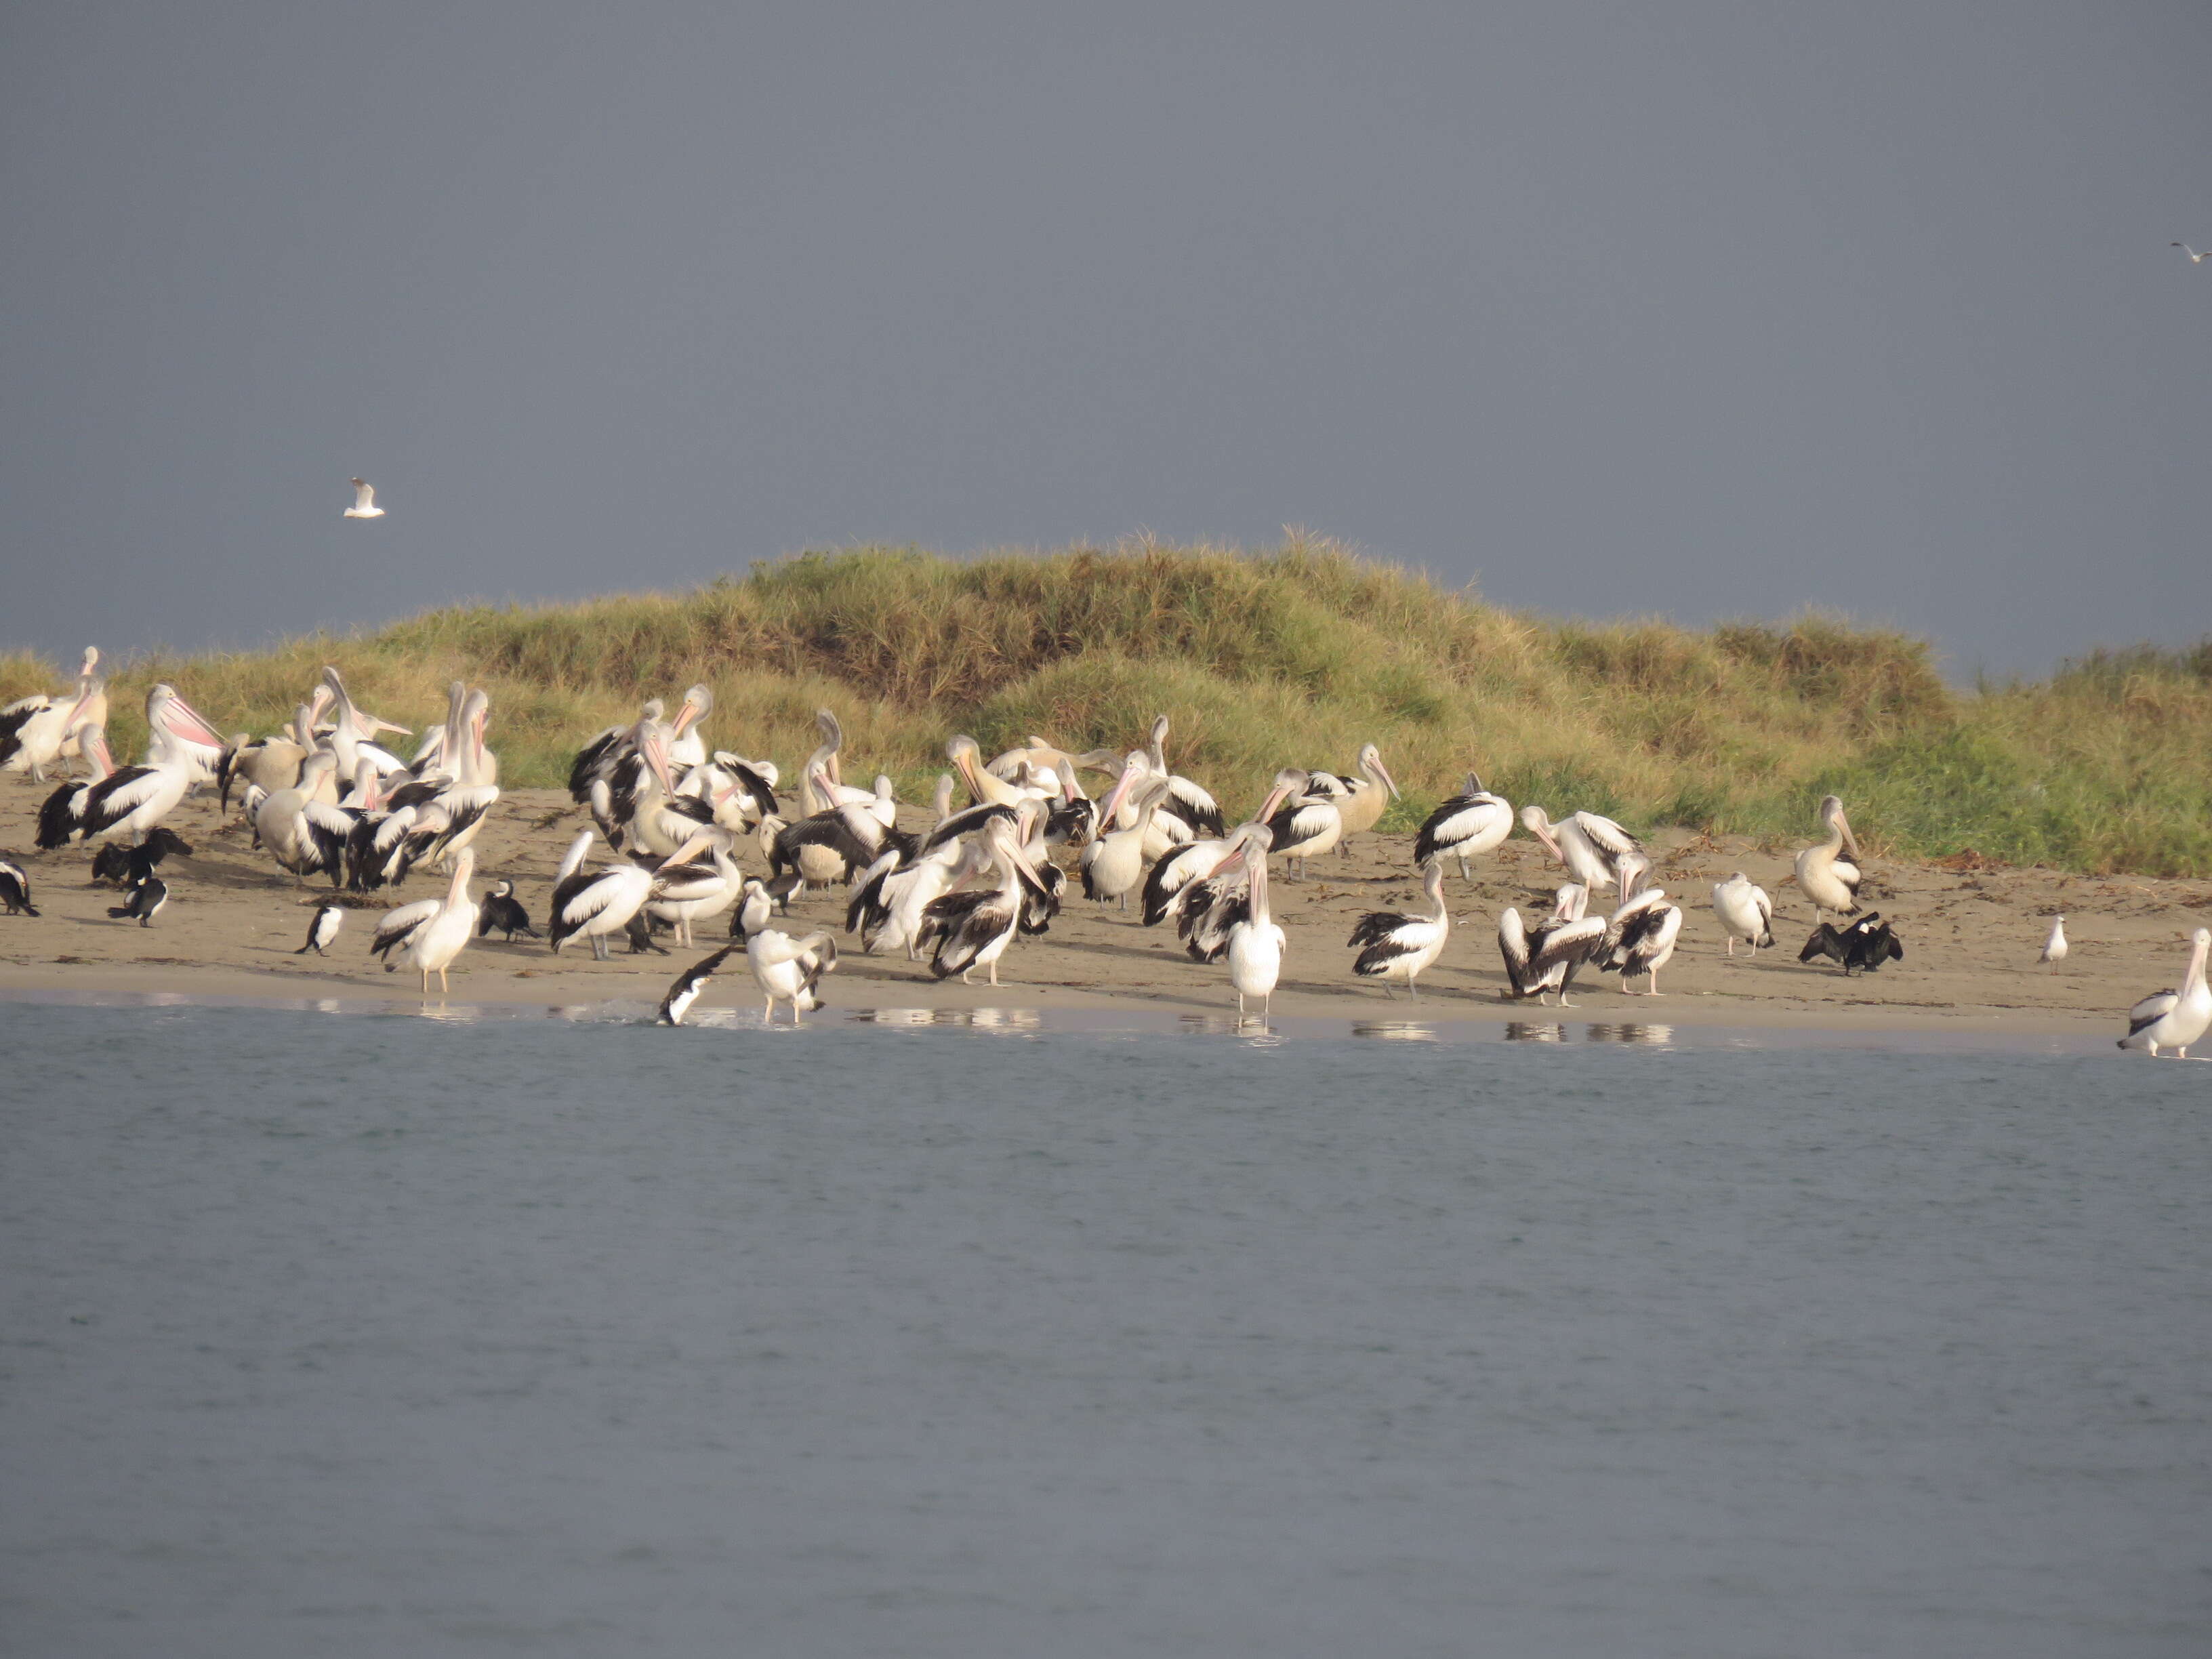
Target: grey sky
x: 1706, y: 310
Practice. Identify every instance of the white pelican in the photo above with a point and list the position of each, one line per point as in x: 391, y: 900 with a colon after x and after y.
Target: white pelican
x: 131, y: 802
x: 1195, y: 860
x: 1210, y: 906
x: 147, y: 894
x: 2054, y: 948
x: 686, y: 746
x: 789, y: 969
x: 689, y: 888
x: 966, y: 755
x: 822, y: 781
x: 1305, y: 828
x: 1188, y: 806
x: 1640, y: 937
x: 36, y: 731
x: 364, y: 501
x: 1548, y: 959
x: 503, y: 911
x: 353, y: 735
x: 272, y: 762
x: 303, y: 834
x: 597, y: 761
x: 449, y: 821
x: 435, y: 931
x: 1745, y: 911
x: 323, y: 927
x: 2195, y: 258
x: 1465, y: 827
x: 62, y: 814
x: 1398, y: 946
x: 1362, y: 795
x: 597, y: 904
x: 15, y: 888
x: 972, y: 927
x: 1823, y: 875
x: 1112, y: 864
x: 1589, y: 846
x: 1256, y: 938
x: 2174, y: 1020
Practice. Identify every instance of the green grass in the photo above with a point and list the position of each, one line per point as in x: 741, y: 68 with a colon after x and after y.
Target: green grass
x: 1297, y: 656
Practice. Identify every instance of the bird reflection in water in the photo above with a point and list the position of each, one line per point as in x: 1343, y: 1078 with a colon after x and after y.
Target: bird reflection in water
x: 1394, y: 1031
x: 1657, y: 1036
x: 1523, y: 1030
x: 976, y: 1019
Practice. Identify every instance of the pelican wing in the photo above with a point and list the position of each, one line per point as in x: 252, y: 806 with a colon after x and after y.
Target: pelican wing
x: 1566, y: 942
x: 398, y: 925
x: 117, y: 796
x: 2152, y: 1009
x: 1609, y: 837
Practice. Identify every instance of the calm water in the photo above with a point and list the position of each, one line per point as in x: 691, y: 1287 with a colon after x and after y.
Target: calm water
x: 382, y: 1335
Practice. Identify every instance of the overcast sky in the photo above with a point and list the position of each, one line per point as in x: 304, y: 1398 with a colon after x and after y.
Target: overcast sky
x: 1702, y: 310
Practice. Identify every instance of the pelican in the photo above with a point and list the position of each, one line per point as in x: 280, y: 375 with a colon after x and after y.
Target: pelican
x: 437, y: 931
x: 788, y: 969
x: 131, y: 802
x: 1362, y: 795
x: 835, y: 844
x: 966, y: 755
x: 352, y: 736
x: 303, y: 834
x: 686, y: 747
x: 1547, y: 959
x: 15, y: 888
x: 1207, y: 909
x: 1256, y: 938
x: 1398, y: 946
x: 2054, y: 948
x: 272, y: 762
x: 1640, y: 936
x: 1188, y: 807
x: 689, y: 889
x: 448, y: 823
x: 971, y: 928
x: 821, y: 780
x: 1305, y: 828
x: 1196, y: 860
x: 1587, y: 844
x: 36, y: 731
x: 2195, y: 258
x: 1465, y: 827
x: 1115, y: 863
x: 597, y: 761
x: 364, y: 501
x: 62, y: 814
x: 594, y: 906
x: 1745, y: 911
x: 1823, y: 874
x: 2174, y: 1020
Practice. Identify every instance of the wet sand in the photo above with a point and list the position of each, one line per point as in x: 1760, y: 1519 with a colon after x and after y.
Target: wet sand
x: 1972, y: 935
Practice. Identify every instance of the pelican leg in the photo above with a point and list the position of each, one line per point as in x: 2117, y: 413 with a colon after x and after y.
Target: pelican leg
x: 1731, y: 944
x: 1240, y: 1004
x: 768, y: 1019
x: 995, y: 971
x: 426, y: 981
x: 442, y: 986
x: 1463, y: 874
x: 1412, y: 989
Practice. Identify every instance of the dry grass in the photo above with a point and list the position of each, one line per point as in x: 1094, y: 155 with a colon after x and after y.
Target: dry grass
x: 1299, y: 656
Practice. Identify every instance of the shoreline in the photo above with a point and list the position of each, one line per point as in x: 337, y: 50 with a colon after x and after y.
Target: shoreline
x: 1971, y: 935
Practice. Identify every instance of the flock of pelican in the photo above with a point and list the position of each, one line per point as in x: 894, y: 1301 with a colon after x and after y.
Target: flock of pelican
x: 672, y: 818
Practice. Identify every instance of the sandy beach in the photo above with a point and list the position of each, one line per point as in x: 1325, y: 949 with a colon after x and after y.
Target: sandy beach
x: 1972, y: 935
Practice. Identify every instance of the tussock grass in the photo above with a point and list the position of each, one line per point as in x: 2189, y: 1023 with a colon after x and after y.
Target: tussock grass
x: 1298, y: 656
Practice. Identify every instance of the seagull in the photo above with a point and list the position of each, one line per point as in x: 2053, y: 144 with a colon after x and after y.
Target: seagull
x: 364, y: 501
x: 2195, y: 258
x: 2054, y: 948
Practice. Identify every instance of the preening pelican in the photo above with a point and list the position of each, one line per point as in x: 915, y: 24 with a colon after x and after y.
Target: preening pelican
x: 595, y: 904
x: 1306, y: 827
x: 972, y: 927
x: 1824, y: 875
x: 1256, y: 940
x: 1398, y: 946
x: 1640, y: 935
x: 1113, y: 863
x: 1196, y: 860
x: 2174, y: 1020
x: 36, y: 731
x: 1361, y: 795
x: 1548, y: 958
x: 985, y: 790
x: 1745, y: 911
x: 788, y: 969
x: 1588, y: 845
x: 364, y: 501
x: 303, y: 833
x: 435, y: 929
x: 697, y: 884
x: 1194, y: 813
x: 2054, y: 948
x: 1465, y: 827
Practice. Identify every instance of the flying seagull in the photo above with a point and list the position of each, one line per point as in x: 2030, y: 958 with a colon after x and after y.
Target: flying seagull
x: 2195, y: 258
x: 364, y: 501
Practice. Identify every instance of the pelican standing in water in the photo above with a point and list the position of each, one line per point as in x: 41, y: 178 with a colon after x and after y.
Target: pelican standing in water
x: 2174, y: 1020
x: 1824, y: 875
x: 1745, y: 911
x: 1587, y: 844
x: 1256, y: 940
x: 1400, y: 947
x: 1467, y: 826
x: 427, y: 934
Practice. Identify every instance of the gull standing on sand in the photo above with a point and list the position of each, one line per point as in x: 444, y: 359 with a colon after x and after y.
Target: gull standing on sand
x: 2054, y: 948
x: 2174, y: 1020
x: 364, y: 501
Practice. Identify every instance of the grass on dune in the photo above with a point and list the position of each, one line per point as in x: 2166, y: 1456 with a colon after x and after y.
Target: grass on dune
x: 1298, y: 656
